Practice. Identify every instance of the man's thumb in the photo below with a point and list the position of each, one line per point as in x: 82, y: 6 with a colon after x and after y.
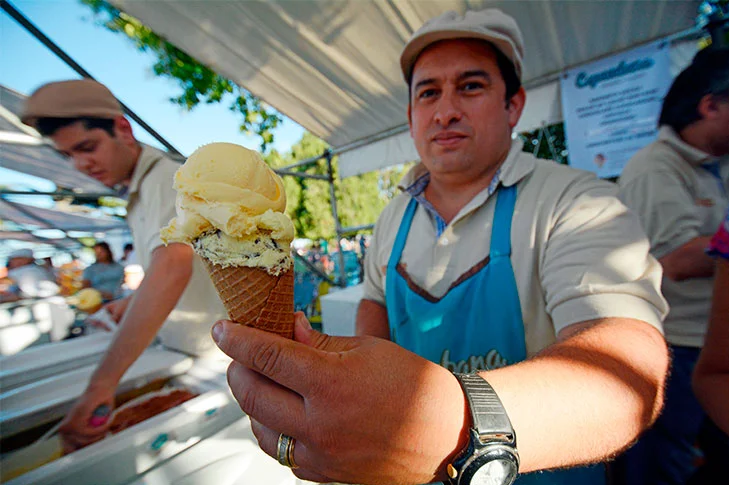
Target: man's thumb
x: 306, y: 335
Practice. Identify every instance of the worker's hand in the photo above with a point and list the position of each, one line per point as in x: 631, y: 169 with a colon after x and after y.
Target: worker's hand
x: 89, y: 419
x: 117, y: 308
x: 361, y: 409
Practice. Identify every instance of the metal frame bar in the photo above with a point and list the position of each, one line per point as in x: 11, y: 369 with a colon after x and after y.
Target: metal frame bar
x: 301, y: 175
x: 58, y: 193
x: 314, y: 269
x: 337, y: 225
x: 30, y: 27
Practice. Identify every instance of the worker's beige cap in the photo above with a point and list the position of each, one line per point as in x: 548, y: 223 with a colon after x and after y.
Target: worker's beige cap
x: 71, y: 99
x: 491, y: 25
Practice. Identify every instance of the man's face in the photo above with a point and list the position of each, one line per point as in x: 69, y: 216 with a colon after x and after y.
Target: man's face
x: 19, y: 262
x: 721, y: 123
x: 110, y: 160
x: 459, y: 118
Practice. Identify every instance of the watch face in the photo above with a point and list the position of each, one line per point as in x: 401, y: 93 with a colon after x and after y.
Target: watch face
x: 495, y: 472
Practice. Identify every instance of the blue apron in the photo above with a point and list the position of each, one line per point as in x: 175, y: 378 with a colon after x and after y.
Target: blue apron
x: 477, y: 325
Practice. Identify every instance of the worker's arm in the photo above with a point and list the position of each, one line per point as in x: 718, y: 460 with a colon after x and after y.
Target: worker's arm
x: 711, y: 376
x: 372, y: 320
x: 163, y: 284
x: 689, y: 261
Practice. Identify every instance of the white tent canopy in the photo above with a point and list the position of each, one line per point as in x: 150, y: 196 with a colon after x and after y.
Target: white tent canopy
x: 332, y: 66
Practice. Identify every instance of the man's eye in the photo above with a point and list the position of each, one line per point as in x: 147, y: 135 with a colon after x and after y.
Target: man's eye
x: 471, y: 86
x: 87, y: 148
x: 427, y: 93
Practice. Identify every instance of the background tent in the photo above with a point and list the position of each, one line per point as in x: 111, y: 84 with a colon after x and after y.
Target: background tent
x: 332, y: 66
x: 55, y: 219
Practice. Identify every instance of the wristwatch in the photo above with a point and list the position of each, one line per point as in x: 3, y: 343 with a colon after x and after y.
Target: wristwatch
x: 490, y: 458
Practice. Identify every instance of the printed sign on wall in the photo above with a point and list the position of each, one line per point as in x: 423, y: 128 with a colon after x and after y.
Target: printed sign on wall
x: 611, y: 107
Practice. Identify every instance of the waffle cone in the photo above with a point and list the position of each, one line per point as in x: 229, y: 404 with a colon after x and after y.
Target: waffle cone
x: 256, y: 298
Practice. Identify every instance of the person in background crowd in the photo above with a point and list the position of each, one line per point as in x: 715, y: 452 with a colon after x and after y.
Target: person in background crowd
x: 105, y: 275
x: 129, y: 256
x: 529, y: 276
x: 176, y: 297
x: 48, y: 265
x: 29, y: 280
x: 678, y: 187
x: 711, y: 375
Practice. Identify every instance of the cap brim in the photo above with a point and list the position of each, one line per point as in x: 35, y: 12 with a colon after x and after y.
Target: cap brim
x: 418, y: 45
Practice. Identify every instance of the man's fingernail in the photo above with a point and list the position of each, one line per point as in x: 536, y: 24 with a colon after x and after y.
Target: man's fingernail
x: 102, y: 411
x: 97, y: 421
x: 218, y: 331
x: 303, y: 323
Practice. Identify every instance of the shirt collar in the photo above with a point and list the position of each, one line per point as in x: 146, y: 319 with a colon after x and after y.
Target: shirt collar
x: 147, y: 158
x: 690, y: 153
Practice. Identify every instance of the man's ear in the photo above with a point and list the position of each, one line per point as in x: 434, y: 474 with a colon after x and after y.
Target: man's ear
x: 708, y: 107
x: 410, y: 119
x: 123, y: 131
x: 515, y: 106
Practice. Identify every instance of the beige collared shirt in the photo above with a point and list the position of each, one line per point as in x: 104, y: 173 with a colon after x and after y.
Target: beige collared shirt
x: 578, y: 254
x: 151, y: 206
x: 677, y: 200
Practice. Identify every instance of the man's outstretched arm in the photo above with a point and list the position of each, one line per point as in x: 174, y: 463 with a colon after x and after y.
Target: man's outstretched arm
x: 580, y: 401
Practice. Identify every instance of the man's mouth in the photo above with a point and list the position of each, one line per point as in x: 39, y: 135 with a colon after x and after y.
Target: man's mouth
x: 448, y: 139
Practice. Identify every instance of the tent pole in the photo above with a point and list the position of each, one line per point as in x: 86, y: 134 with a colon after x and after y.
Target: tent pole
x: 321, y: 274
x: 30, y: 27
x: 337, y: 225
x: 550, y: 144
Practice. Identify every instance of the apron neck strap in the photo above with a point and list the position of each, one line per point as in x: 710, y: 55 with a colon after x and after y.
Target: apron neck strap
x: 501, y: 226
x: 402, y: 234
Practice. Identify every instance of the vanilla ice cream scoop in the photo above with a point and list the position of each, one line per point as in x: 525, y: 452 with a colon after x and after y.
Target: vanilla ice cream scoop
x: 230, y: 208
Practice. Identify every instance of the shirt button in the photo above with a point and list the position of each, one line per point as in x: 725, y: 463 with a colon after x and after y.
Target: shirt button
x: 444, y: 241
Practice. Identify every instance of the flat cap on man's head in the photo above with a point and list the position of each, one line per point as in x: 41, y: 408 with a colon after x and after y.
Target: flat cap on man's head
x: 78, y: 98
x: 491, y: 25
x: 21, y: 253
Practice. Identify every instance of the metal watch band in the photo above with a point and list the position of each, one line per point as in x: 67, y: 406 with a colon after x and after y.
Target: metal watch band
x: 489, y: 416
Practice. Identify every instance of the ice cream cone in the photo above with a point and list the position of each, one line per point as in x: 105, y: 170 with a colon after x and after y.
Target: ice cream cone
x: 256, y: 298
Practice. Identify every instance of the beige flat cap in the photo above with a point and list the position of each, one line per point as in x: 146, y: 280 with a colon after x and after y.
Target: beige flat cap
x: 491, y: 25
x: 71, y: 99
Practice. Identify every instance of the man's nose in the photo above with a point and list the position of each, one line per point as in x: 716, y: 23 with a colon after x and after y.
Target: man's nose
x: 448, y: 109
x: 82, y: 164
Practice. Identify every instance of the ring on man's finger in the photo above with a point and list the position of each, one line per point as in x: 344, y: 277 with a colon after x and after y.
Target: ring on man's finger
x: 285, y: 451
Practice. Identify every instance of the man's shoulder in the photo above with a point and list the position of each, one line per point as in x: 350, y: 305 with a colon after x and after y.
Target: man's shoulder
x: 555, y: 178
x: 653, y: 158
x: 161, y: 175
x: 393, y: 211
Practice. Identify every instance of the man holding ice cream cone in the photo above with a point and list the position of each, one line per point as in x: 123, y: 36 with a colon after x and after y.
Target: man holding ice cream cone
x: 521, y: 296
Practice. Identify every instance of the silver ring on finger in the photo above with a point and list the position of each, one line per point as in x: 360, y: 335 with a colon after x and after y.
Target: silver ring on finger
x: 285, y: 451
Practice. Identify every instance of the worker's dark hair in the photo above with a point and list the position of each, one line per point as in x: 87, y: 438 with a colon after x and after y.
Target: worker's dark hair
x: 506, y: 68
x: 49, y: 126
x: 708, y: 73
x: 105, y: 246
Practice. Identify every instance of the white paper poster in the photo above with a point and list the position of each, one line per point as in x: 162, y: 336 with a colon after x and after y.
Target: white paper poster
x: 611, y: 107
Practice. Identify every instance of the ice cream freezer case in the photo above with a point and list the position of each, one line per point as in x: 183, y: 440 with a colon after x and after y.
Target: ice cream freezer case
x: 138, y: 443
x: 51, y: 359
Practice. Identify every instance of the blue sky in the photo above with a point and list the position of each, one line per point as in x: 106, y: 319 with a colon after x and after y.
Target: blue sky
x: 114, y: 61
